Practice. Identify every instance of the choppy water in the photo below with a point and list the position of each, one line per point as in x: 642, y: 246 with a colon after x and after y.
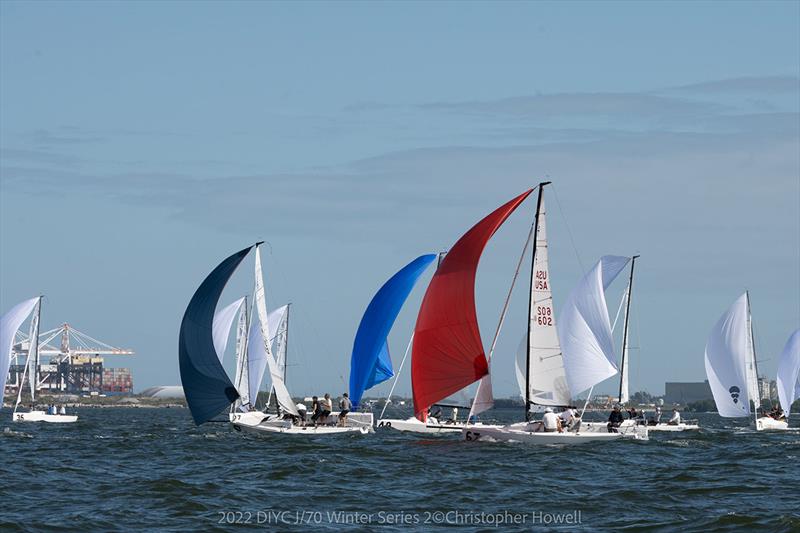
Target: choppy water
x: 148, y: 469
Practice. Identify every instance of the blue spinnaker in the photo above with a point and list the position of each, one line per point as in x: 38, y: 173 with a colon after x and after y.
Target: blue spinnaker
x: 206, y: 385
x: 370, y: 363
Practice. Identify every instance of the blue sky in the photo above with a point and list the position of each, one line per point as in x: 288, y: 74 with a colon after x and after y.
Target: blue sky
x: 142, y: 142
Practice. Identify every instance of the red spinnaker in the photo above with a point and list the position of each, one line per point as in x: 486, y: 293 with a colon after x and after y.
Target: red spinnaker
x: 448, y: 352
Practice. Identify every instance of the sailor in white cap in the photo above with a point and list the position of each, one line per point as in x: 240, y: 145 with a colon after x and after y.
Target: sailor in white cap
x: 550, y: 421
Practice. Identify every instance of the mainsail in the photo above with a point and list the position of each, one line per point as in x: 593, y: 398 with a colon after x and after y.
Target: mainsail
x: 208, y: 389
x: 370, y: 363
x: 789, y: 373
x: 546, y: 377
x: 221, y: 328
x: 448, y: 352
x: 281, y: 392
x: 9, y: 324
x: 727, y: 357
x: 585, y: 330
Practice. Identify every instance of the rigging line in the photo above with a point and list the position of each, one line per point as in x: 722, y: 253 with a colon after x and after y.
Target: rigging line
x: 569, y: 231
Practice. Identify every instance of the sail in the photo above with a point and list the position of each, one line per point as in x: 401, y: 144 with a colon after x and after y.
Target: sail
x: 9, y: 325
x: 33, y: 350
x: 448, y: 352
x: 278, y: 327
x: 370, y: 363
x: 547, y: 382
x: 242, y: 380
x: 281, y: 392
x: 624, y: 393
x: 585, y: 330
x: 789, y: 373
x: 726, y: 360
x: 221, y: 328
x: 208, y: 389
x: 256, y: 362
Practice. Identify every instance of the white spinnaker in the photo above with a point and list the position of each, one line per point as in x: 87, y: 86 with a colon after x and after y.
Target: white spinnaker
x: 281, y: 392
x: 221, y: 327
x: 789, y: 373
x: 585, y: 331
x: 726, y: 359
x: 256, y: 361
x: 9, y: 324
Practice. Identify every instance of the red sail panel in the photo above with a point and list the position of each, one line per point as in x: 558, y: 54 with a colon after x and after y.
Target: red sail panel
x: 448, y: 352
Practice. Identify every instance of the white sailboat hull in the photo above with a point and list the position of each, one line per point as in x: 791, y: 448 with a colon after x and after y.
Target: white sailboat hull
x: 517, y: 433
x: 41, y: 416
x: 766, y: 423
x: 430, y: 427
x: 663, y: 426
x: 259, y: 423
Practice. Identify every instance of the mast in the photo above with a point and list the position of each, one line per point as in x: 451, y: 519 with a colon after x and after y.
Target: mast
x: 623, y: 375
x: 757, y: 399
x: 530, y: 302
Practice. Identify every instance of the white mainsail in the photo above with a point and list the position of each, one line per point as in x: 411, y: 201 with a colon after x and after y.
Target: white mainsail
x: 547, y: 382
x: 624, y: 394
x: 726, y: 359
x: 278, y: 326
x: 585, y: 331
x: 281, y: 392
x: 221, y: 327
x: 242, y: 380
x: 9, y: 324
x: 789, y: 373
x: 33, y: 350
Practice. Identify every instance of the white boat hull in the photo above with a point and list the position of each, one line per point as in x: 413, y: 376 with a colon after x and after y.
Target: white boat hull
x: 412, y: 425
x: 516, y: 433
x: 673, y: 427
x: 629, y: 429
x: 41, y: 416
x: 766, y: 423
x: 259, y: 423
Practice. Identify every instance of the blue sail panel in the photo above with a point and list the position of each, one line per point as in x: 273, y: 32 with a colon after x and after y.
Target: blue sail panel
x: 370, y: 363
x: 207, y: 387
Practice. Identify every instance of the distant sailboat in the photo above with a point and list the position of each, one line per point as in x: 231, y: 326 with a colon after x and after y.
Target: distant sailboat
x: 9, y: 324
x: 209, y: 390
x: 731, y: 366
x: 789, y: 374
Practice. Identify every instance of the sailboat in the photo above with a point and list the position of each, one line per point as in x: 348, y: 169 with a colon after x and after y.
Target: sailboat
x: 731, y: 366
x: 546, y: 380
x: 9, y: 324
x: 209, y: 391
x: 370, y: 363
x: 788, y: 380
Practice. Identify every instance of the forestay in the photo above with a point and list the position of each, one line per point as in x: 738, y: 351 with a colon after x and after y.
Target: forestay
x: 370, y: 363
x: 726, y: 358
x: 9, y: 324
x: 789, y: 373
x: 585, y: 328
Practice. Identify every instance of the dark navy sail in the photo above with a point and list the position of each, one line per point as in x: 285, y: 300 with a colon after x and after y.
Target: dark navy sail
x: 206, y: 385
x: 370, y: 363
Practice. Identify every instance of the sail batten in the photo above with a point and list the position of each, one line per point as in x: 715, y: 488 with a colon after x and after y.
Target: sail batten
x: 448, y: 352
x: 206, y: 385
x: 370, y: 363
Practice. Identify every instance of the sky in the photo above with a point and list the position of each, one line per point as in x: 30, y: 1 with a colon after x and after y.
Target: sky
x: 143, y: 142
